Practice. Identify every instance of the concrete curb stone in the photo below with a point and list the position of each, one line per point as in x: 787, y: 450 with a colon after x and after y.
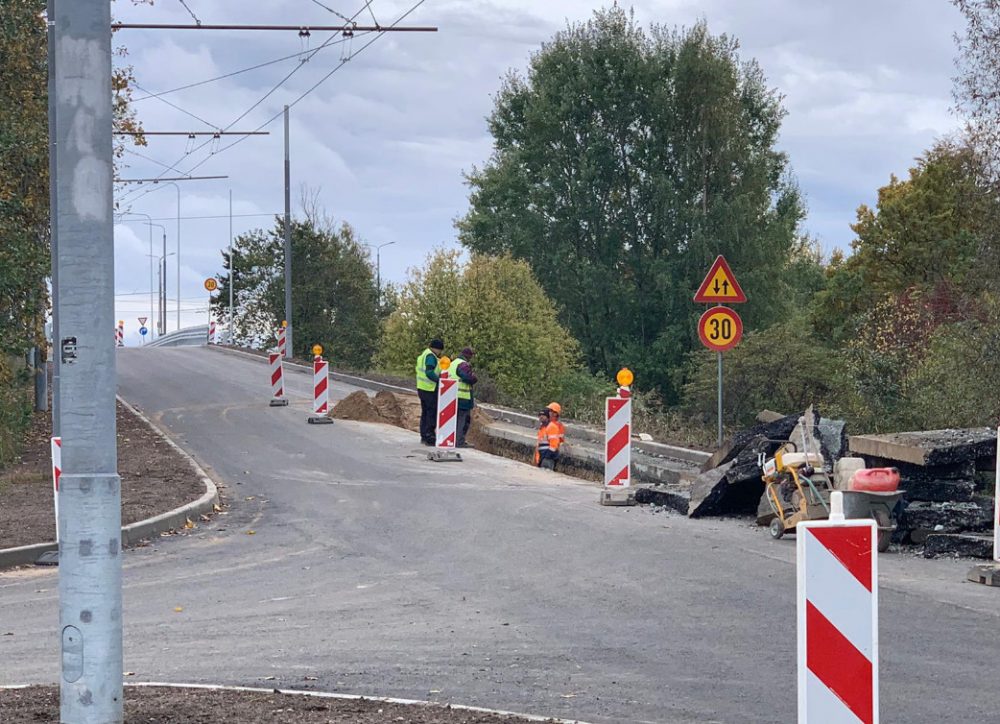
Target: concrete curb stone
x: 134, y: 532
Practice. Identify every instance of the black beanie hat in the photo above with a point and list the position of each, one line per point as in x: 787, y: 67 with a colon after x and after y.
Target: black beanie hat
x: 436, y: 344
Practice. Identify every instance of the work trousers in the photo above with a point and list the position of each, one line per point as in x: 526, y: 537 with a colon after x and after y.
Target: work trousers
x: 428, y: 416
x: 462, y: 425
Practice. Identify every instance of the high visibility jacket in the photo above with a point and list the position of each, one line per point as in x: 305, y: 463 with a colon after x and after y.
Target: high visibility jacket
x: 548, y: 439
x: 424, y: 382
x: 562, y: 431
x: 464, y: 388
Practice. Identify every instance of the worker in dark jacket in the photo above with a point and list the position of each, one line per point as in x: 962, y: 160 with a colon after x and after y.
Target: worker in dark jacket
x: 461, y: 369
x: 428, y: 371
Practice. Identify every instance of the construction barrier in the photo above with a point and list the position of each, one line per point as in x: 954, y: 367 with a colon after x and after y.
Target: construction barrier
x: 56, y: 444
x: 618, y: 439
x: 321, y: 391
x: 447, y: 417
x: 282, y: 342
x: 277, y: 368
x: 837, y: 572
x: 119, y: 336
x: 211, y: 331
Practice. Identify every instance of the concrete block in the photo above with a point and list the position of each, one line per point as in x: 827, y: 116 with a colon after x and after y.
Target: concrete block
x: 988, y: 575
x: 959, y: 544
x: 619, y: 496
x: 928, y: 448
x: 667, y: 497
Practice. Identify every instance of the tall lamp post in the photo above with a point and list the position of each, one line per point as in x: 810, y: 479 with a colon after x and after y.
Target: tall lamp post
x: 161, y: 289
x: 178, y: 189
x: 150, y: 224
x: 378, y: 266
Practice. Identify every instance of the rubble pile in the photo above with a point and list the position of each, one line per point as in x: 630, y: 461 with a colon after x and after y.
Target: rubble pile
x: 944, y: 474
x: 730, y: 482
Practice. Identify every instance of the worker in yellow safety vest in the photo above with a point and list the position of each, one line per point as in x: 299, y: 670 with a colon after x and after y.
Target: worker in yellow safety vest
x: 461, y: 370
x: 547, y: 447
x: 428, y: 371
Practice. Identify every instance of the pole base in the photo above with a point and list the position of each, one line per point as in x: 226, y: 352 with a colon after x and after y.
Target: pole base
x: 617, y: 496
x: 48, y: 558
x: 278, y: 402
x: 320, y: 421
x: 444, y: 456
x: 988, y: 575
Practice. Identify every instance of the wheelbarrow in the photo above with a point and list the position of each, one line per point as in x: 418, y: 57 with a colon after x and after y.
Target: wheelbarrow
x: 861, y: 504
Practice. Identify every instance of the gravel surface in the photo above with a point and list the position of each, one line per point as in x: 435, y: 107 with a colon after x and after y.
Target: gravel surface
x: 154, y: 705
x: 155, y: 479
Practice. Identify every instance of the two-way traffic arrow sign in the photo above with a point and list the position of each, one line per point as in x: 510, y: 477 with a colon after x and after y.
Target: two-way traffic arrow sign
x: 720, y: 285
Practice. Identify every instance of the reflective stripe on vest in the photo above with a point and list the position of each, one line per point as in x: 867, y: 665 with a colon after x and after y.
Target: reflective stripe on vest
x: 423, y: 381
x: 464, y: 388
x: 543, y: 438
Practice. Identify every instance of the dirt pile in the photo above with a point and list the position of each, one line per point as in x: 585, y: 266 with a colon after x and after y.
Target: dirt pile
x: 401, y: 410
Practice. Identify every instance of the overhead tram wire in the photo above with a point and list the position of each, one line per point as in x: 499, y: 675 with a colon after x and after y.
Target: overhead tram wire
x: 213, y: 126
x: 238, y: 72
x: 139, y: 193
x: 310, y: 90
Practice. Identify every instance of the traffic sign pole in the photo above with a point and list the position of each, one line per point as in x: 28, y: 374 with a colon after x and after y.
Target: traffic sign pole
x: 720, y: 328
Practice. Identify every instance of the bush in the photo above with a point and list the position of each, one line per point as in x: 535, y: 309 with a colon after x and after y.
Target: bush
x: 15, y: 408
x: 781, y: 368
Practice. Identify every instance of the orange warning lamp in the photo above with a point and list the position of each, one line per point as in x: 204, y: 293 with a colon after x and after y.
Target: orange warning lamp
x: 121, y: 322
x: 625, y: 377
x: 284, y: 322
x: 445, y: 362
x: 317, y: 349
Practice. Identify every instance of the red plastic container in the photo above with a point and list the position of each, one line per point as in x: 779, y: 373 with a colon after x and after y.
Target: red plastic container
x: 875, y: 480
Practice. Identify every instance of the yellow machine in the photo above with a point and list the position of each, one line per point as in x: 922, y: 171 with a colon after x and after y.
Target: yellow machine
x: 797, y: 487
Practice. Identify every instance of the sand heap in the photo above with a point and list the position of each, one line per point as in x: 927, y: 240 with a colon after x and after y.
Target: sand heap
x: 399, y: 410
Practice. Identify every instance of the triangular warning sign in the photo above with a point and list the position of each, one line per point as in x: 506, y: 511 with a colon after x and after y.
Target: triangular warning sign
x: 142, y: 321
x: 720, y: 285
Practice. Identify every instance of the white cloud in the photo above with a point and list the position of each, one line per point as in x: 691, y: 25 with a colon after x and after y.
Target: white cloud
x: 387, y: 137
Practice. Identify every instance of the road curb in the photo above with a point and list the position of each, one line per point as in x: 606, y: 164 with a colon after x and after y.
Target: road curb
x: 334, y: 695
x: 133, y: 532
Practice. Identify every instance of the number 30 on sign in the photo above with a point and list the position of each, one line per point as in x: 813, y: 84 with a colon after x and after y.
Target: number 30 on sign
x: 720, y: 329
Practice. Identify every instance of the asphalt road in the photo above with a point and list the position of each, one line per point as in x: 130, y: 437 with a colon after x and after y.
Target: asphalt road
x: 485, y: 582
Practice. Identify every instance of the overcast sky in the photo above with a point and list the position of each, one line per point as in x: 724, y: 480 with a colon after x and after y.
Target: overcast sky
x: 387, y: 136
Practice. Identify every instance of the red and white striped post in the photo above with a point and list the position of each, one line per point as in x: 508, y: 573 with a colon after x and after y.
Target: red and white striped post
x: 837, y: 563
x: 618, y: 439
x: 56, y: 444
x: 211, y: 331
x: 120, y: 334
x: 321, y: 391
x: 282, y: 342
x: 447, y: 417
x: 277, y: 368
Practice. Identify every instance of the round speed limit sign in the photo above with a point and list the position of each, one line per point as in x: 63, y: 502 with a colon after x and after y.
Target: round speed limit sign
x: 211, y: 285
x: 720, y: 329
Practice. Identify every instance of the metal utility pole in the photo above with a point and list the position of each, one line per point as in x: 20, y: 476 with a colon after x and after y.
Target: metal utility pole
x: 378, y: 267
x: 90, y: 570
x: 50, y: 12
x: 232, y: 267
x: 720, y: 399
x: 288, y: 245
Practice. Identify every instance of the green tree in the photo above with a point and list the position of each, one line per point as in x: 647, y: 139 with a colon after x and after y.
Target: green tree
x: 492, y: 304
x: 624, y: 162
x: 334, y: 299
x: 924, y: 235
x: 781, y: 368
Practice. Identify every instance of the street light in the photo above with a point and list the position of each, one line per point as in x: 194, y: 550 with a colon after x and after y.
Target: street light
x: 178, y: 188
x: 149, y: 222
x: 161, y: 266
x: 378, y: 267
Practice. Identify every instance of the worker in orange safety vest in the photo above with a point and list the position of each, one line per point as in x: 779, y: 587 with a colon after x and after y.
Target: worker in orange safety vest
x: 555, y: 411
x: 547, y: 447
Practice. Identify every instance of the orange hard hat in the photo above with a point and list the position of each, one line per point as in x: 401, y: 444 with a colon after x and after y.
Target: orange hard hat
x: 555, y: 407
